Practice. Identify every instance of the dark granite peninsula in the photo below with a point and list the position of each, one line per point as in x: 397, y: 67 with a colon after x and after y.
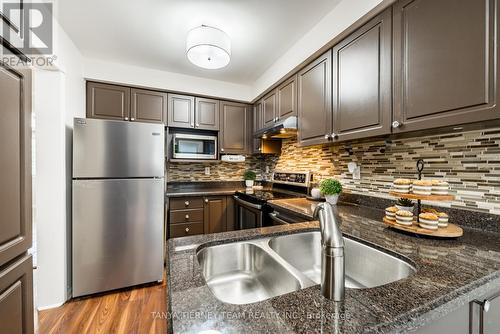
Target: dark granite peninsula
x: 449, y: 274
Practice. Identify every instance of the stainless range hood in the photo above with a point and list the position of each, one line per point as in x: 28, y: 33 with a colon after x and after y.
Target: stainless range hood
x: 287, y: 128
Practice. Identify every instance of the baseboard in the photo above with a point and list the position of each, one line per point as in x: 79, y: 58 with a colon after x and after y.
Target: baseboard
x: 49, y: 306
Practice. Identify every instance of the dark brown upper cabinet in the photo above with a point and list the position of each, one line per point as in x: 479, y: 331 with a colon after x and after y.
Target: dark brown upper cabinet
x: 207, y: 114
x: 315, y: 101
x: 287, y: 98
x: 181, y: 111
x: 148, y: 106
x: 362, y: 81
x: 269, y: 109
x: 108, y: 101
x: 15, y: 149
x: 445, y: 58
x: 257, y: 117
x: 235, y: 126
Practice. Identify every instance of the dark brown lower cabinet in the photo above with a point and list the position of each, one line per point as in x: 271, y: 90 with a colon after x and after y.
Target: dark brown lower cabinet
x: 16, y: 296
x: 215, y: 214
x: 193, y: 215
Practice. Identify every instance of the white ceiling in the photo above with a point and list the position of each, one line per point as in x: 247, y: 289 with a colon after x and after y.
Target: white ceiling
x: 152, y: 33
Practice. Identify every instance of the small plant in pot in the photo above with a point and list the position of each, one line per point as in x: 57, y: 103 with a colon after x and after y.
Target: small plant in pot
x: 249, y: 177
x: 331, y: 188
x: 404, y: 204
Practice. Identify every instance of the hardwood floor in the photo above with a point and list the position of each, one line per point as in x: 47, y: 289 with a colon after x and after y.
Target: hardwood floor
x: 124, y: 311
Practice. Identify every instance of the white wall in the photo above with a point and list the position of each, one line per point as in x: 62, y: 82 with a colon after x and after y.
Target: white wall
x: 340, y: 18
x: 58, y: 96
x: 141, y: 76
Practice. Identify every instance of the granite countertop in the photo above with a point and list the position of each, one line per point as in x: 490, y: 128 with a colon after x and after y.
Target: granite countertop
x: 203, y: 188
x: 450, y: 273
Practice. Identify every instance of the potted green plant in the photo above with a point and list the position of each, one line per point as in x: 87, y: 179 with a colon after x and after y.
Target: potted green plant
x: 404, y: 204
x: 331, y: 188
x: 249, y: 177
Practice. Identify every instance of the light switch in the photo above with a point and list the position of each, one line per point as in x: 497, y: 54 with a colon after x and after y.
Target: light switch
x: 207, y: 170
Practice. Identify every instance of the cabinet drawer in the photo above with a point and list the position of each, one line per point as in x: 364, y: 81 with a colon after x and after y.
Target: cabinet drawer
x: 186, y: 203
x: 186, y: 216
x: 183, y: 230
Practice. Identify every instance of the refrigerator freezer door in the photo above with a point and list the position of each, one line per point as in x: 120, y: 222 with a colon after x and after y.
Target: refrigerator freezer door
x: 117, y: 233
x: 116, y: 149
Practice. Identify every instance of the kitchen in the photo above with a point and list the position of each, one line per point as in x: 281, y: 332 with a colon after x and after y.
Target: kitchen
x: 187, y: 181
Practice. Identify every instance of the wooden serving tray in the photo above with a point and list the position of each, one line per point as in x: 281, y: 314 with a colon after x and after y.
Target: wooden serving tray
x: 451, y: 231
x: 437, y: 198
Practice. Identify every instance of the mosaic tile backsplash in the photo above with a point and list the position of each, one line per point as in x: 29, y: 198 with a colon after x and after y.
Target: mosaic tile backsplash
x: 469, y: 161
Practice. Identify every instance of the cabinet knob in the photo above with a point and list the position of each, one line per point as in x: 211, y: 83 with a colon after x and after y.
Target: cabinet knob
x: 132, y: 119
x: 197, y: 124
x: 396, y: 124
x: 206, y: 200
x: 187, y: 216
x: 327, y: 136
x: 187, y: 229
x: 192, y: 125
x: 126, y: 118
x: 334, y: 135
x: 186, y: 203
x: 222, y: 150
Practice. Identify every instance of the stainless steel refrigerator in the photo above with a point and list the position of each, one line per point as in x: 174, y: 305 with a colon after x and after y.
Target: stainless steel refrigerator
x: 118, y: 204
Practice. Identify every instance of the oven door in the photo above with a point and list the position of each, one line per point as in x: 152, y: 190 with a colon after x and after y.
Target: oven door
x: 249, y: 215
x: 280, y: 218
x: 188, y: 146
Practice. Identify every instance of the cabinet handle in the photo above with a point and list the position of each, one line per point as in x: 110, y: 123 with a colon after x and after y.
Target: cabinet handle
x: 192, y: 125
x: 186, y: 203
x: 334, y: 135
x: 197, y: 124
x: 187, y: 229
x: 126, y: 118
x: 396, y: 124
x: 132, y: 119
x: 206, y: 200
x: 327, y: 137
x: 187, y: 217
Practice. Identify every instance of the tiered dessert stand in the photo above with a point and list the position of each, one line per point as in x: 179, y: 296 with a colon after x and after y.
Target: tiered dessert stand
x: 451, y: 231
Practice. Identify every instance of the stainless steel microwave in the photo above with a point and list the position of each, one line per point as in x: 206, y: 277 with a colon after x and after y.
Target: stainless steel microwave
x: 193, y: 146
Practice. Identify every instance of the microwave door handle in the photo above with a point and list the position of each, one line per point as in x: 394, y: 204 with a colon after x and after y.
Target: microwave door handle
x: 247, y: 204
x: 274, y: 216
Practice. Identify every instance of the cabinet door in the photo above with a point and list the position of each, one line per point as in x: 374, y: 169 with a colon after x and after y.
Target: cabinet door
x: 234, y: 127
x: 315, y: 101
x: 269, y: 109
x: 362, y: 81
x: 16, y: 297
x: 287, y: 98
x: 148, y: 106
x: 230, y: 214
x: 108, y: 101
x: 207, y: 114
x: 180, y: 111
x: 15, y: 164
x: 215, y: 214
x: 445, y: 60
x: 257, y: 117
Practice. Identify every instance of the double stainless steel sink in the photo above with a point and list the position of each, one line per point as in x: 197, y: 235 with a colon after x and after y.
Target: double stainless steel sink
x: 255, y: 270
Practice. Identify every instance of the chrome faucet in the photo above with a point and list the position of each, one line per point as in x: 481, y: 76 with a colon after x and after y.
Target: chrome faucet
x: 332, y: 253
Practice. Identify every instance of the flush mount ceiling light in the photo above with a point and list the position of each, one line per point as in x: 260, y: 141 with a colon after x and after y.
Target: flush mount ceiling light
x: 208, y: 47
